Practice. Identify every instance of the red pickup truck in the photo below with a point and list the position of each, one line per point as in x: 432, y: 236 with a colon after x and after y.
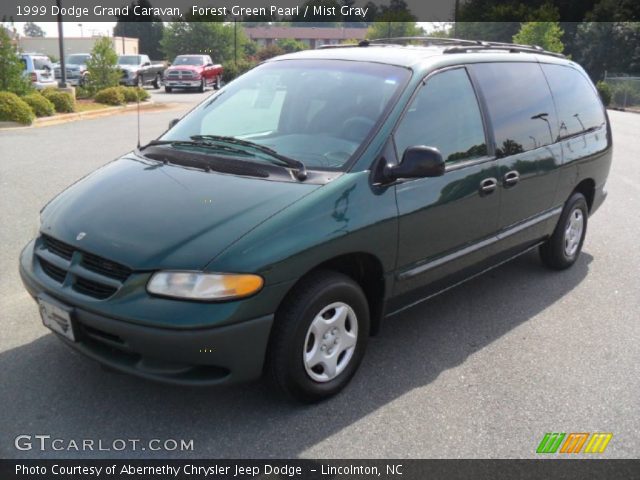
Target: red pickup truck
x: 192, y: 71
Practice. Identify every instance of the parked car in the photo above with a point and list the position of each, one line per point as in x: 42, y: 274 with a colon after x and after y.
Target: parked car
x: 193, y: 72
x: 38, y: 69
x: 137, y: 70
x: 277, y: 224
x: 75, y: 66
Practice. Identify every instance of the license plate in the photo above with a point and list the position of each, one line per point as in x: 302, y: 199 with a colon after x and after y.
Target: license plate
x: 57, y: 317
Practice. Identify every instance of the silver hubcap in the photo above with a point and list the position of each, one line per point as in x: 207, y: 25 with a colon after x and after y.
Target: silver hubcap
x: 573, y: 232
x: 330, y: 342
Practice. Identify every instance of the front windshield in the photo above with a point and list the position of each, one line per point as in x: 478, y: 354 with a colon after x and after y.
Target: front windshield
x: 77, y: 59
x: 128, y: 60
x: 315, y: 111
x: 182, y: 60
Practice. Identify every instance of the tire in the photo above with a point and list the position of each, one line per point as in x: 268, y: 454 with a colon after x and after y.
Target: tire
x: 565, y: 244
x: 139, y: 81
x: 168, y: 89
x: 218, y: 83
x: 291, y: 361
x: 157, y: 82
x: 202, y: 86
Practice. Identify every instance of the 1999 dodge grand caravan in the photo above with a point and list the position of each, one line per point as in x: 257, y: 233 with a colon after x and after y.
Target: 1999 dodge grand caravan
x: 276, y: 225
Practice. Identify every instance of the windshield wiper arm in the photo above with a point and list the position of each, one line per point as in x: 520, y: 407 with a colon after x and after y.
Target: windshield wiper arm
x: 299, y: 167
x: 188, y: 143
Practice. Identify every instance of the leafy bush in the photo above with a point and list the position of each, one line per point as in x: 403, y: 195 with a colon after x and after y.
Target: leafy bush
x: 233, y: 69
x: 12, y: 78
x: 625, y: 95
x: 83, y: 92
x: 268, y: 52
x: 130, y: 94
x: 40, y: 105
x: 102, y: 66
x: 14, y: 109
x: 142, y: 94
x: 110, y: 96
x: 604, y: 89
x: 62, y: 101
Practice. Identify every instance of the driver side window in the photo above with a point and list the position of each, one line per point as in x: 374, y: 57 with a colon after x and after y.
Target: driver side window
x: 444, y: 114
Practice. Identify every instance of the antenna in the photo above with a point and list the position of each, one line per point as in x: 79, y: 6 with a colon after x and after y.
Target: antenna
x: 138, y: 108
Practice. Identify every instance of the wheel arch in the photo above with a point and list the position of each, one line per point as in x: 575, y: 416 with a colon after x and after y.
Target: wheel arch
x: 586, y: 187
x: 367, y: 271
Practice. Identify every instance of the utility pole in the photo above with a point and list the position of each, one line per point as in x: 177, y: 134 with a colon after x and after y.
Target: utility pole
x: 63, y: 69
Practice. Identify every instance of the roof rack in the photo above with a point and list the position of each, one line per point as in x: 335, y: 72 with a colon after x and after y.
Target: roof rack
x: 457, y: 45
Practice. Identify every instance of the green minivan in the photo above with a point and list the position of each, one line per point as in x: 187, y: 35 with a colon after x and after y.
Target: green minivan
x: 276, y: 225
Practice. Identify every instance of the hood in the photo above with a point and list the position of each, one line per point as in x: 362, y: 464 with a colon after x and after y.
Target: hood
x: 149, y: 215
x: 189, y: 68
x: 129, y: 67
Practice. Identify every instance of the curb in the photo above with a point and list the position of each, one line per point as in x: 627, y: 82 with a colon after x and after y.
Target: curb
x: 70, y: 117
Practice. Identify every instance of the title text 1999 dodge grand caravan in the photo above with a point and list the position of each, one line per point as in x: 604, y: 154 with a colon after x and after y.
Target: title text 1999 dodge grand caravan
x: 277, y: 224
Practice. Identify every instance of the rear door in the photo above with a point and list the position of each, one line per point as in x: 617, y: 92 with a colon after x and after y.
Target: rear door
x: 524, y: 121
x: 444, y: 222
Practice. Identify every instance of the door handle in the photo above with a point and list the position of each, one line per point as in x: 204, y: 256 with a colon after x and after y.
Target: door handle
x: 488, y: 185
x: 511, y: 178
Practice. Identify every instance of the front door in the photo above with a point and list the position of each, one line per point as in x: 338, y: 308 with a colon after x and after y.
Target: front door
x: 445, y: 223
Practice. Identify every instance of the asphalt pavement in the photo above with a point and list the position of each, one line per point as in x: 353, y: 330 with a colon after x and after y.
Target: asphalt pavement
x: 483, y: 371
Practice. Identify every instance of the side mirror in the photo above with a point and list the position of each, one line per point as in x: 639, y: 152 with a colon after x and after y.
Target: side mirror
x: 209, y: 65
x: 417, y: 162
x: 173, y: 122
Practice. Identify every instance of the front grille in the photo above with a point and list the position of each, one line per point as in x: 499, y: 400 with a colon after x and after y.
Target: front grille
x: 93, y: 289
x: 52, y: 271
x: 105, y: 267
x: 57, y: 247
x: 178, y: 75
x: 55, y: 259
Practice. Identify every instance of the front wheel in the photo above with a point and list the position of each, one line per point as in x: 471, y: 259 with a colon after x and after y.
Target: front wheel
x: 319, y: 337
x: 168, y: 89
x: 202, y: 86
x: 565, y: 244
x: 139, y: 81
x: 218, y: 84
x: 157, y: 82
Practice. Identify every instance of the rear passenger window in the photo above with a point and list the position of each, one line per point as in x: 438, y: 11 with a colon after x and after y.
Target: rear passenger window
x: 444, y: 114
x: 519, y: 104
x: 579, y: 108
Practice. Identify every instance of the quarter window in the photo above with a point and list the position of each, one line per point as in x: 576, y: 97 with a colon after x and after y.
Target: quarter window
x: 578, y: 106
x: 444, y: 114
x: 520, y: 106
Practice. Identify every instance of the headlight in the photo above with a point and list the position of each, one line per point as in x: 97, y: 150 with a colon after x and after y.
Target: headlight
x: 204, y: 286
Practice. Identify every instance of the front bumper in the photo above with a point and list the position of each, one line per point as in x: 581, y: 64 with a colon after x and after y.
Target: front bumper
x: 182, y: 83
x: 225, y: 354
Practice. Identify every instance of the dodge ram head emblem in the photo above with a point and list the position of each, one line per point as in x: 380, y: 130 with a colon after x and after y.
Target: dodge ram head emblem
x: 81, y: 235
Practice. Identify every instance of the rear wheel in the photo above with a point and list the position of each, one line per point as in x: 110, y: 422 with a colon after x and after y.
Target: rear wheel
x: 319, y: 337
x: 564, y: 246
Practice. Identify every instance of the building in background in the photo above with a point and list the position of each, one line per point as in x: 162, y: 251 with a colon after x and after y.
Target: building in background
x: 311, y: 36
x: 49, y: 45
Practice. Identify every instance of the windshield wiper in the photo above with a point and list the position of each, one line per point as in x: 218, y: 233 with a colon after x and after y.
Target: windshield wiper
x: 299, y: 167
x: 205, y: 144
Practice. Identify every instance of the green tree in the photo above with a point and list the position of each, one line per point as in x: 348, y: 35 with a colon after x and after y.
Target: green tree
x: 289, y: 45
x: 210, y: 38
x: 379, y: 29
x: 544, y: 34
x: 11, y: 67
x: 102, y: 66
x: 147, y: 29
x: 33, y: 30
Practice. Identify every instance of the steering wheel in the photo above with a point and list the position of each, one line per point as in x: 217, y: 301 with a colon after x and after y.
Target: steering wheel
x: 356, y: 128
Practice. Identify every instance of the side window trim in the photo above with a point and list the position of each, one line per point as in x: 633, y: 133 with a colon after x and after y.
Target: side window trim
x: 488, y: 133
